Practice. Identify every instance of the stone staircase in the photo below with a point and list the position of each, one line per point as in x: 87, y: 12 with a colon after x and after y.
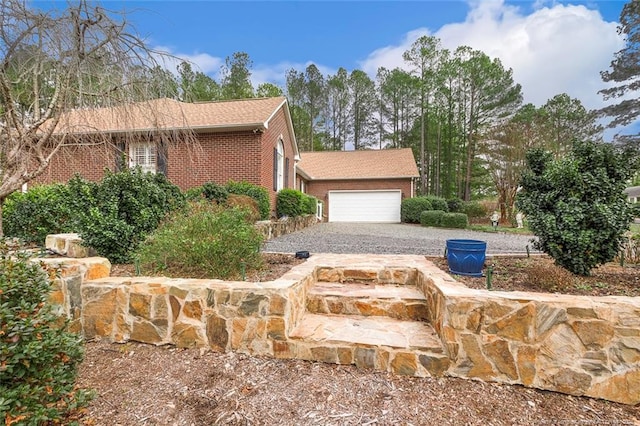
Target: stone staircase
x: 373, y: 324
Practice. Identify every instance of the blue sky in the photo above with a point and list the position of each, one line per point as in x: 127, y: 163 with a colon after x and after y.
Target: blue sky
x: 552, y: 46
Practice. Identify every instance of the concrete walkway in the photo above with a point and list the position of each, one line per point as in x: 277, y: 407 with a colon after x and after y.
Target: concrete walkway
x: 395, y: 238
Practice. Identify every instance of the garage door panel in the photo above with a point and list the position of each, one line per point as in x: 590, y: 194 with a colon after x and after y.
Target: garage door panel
x: 364, y: 206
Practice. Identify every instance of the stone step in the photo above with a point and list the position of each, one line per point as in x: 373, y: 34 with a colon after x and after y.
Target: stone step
x: 367, y: 331
x: 401, y: 347
x: 402, y: 302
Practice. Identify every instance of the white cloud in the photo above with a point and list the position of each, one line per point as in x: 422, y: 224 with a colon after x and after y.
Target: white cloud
x: 202, y: 62
x: 555, y: 49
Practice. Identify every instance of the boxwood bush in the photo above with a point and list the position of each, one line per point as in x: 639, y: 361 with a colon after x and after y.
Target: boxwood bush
x: 431, y: 217
x: 438, y: 203
x: 203, y: 241
x: 411, y: 208
x: 40, y: 211
x: 39, y: 358
x: 289, y: 202
x: 454, y: 220
x: 309, y: 204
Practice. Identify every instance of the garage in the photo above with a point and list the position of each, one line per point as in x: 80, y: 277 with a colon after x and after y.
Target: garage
x: 365, y: 206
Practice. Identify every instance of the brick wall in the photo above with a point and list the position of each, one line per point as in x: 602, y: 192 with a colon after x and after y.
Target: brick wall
x: 320, y: 189
x: 215, y: 157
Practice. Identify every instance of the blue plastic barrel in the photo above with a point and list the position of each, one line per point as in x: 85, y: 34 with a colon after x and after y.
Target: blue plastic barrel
x: 466, y: 257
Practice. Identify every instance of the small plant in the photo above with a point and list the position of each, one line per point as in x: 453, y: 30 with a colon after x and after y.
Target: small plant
x: 39, y: 358
x: 411, y: 208
x: 256, y: 192
x: 205, y: 241
x: 454, y: 220
x: 550, y: 278
x: 431, y: 217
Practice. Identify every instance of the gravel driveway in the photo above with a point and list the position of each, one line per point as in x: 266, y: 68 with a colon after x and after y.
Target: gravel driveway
x: 383, y: 238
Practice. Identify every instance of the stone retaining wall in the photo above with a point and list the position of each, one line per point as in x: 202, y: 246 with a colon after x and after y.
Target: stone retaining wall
x: 571, y: 344
x: 273, y: 229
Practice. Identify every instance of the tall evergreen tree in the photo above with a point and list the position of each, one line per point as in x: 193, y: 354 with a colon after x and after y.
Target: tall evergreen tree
x: 236, y: 77
x: 363, y: 106
x: 625, y: 70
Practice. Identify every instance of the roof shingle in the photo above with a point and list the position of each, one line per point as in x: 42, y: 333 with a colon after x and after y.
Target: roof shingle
x: 169, y: 114
x: 361, y: 164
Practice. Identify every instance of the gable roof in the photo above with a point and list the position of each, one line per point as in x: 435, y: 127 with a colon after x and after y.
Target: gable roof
x: 169, y: 114
x: 361, y: 164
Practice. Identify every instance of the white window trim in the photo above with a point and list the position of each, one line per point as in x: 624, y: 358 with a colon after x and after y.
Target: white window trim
x: 280, y: 166
x: 145, y: 155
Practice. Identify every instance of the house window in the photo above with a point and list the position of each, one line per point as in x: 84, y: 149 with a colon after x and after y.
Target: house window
x: 143, y: 155
x: 279, y: 163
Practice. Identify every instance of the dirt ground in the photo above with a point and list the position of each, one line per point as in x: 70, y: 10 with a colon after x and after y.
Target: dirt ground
x: 138, y: 384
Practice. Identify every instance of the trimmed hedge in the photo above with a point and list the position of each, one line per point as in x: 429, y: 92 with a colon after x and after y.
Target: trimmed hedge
x: 309, y: 204
x: 431, y: 217
x: 411, y: 208
x: 289, y: 202
x: 438, y: 203
x: 454, y: 220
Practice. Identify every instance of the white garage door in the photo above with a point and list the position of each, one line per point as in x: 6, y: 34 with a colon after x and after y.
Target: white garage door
x: 364, y: 206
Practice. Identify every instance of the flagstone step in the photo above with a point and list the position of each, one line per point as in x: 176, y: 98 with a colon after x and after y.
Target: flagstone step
x: 402, y: 302
x: 367, y: 331
x: 401, y: 347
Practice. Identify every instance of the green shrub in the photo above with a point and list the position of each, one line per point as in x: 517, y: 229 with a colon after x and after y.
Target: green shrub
x: 576, y: 205
x: 454, y: 220
x: 475, y: 210
x: 309, y: 204
x: 214, y: 192
x: 33, y: 215
x: 635, y: 209
x: 256, y: 192
x: 438, y: 203
x: 456, y: 205
x: 194, y: 194
x: 431, y: 217
x: 289, y: 203
x: 205, y: 241
x: 39, y: 358
x: 411, y: 208
x: 122, y: 210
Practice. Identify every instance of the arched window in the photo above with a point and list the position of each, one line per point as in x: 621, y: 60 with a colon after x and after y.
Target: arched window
x: 279, y: 171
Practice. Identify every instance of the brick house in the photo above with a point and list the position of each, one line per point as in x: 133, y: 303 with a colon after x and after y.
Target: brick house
x: 191, y: 143
x: 358, y: 186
